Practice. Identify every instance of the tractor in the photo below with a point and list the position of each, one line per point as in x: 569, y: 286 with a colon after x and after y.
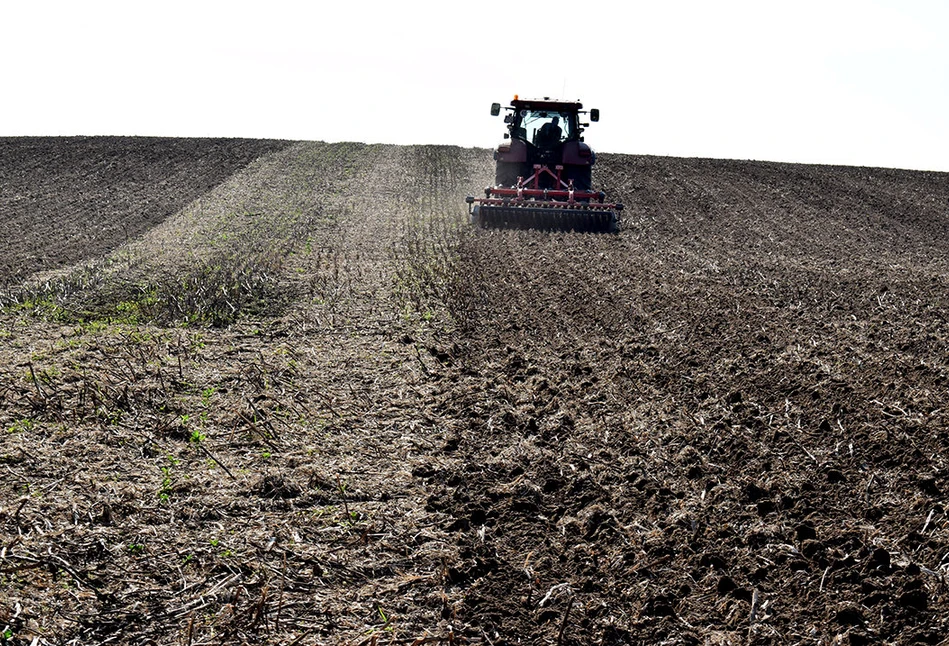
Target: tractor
x: 543, y: 175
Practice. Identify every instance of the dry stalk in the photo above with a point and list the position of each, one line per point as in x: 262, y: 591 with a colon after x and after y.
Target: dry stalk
x: 563, y: 624
x: 283, y: 585
x: 342, y: 492
x: 218, y: 462
x: 36, y: 382
x: 259, y: 610
x: 261, y: 434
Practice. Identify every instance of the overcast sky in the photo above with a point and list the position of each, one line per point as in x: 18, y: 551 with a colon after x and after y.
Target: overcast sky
x: 827, y: 81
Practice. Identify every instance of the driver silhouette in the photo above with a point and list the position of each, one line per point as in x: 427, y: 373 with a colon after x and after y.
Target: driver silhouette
x: 549, y: 133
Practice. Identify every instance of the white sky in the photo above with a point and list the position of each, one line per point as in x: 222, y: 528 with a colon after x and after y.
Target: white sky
x: 862, y: 82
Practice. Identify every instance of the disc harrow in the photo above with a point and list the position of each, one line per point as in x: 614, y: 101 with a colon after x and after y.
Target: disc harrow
x: 544, y: 219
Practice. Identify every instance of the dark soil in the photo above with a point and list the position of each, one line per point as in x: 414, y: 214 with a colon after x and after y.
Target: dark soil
x: 726, y: 424
x: 63, y: 200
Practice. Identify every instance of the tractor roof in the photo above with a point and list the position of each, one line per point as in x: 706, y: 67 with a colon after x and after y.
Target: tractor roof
x: 546, y: 103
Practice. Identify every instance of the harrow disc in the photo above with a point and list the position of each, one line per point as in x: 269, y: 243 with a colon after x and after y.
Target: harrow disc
x: 526, y: 217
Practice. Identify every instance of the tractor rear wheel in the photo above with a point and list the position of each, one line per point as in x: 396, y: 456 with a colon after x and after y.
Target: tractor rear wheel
x: 582, y: 177
x: 507, y: 173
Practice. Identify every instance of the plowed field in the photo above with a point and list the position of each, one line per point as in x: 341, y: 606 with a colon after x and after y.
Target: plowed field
x: 270, y: 392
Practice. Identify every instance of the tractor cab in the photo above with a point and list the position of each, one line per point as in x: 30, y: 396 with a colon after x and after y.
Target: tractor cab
x: 544, y: 128
x: 542, y: 123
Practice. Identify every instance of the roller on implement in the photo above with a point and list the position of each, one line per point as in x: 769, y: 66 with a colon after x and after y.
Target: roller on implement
x: 543, y: 178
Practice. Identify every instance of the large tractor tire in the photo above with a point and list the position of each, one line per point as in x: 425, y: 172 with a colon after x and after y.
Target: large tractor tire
x: 582, y: 177
x: 506, y: 173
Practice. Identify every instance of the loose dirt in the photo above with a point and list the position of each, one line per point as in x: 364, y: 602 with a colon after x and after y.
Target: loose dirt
x: 310, y: 405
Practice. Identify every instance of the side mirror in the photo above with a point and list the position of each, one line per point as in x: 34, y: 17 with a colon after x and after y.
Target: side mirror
x: 594, y: 115
x: 495, y: 109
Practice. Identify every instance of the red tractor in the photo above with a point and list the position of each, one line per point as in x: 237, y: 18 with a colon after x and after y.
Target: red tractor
x: 543, y: 176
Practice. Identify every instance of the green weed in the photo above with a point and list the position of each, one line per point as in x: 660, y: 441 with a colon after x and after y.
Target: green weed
x: 21, y: 426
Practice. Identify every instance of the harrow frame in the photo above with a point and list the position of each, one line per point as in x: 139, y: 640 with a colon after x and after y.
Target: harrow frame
x: 528, y: 206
